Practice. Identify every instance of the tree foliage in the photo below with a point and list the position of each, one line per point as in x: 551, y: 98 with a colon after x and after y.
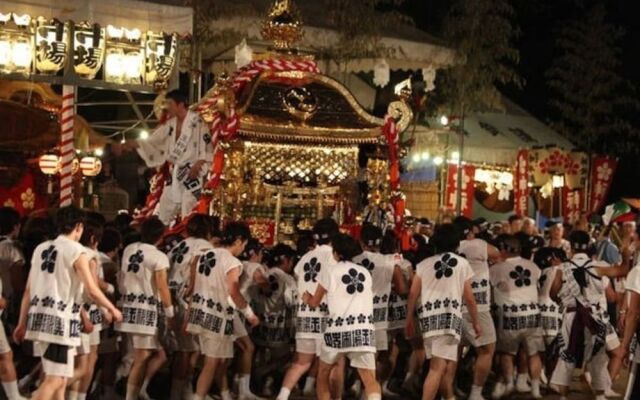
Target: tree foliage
x: 361, y: 25
x: 483, y: 34
x: 591, y: 101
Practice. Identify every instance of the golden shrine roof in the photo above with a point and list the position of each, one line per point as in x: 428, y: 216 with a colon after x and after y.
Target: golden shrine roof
x: 304, y: 107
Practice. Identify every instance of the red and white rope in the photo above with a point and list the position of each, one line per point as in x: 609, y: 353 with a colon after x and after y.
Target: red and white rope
x: 67, y: 152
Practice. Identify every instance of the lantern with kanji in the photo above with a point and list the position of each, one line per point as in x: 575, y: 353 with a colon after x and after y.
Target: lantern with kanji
x: 88, y: 49
x: 51, y: 45
x: 161, y: 57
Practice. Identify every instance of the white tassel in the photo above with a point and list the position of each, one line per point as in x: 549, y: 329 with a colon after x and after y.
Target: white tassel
x: 381, y: 73
x: 429, y: 77
x: 243, y: 54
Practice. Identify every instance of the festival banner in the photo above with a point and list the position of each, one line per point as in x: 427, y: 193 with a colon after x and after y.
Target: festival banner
x: 467, y: 189
x: 571, y: 204
x: 264, y: 230
x: 22, y: 196
x: 602, y: 169
x: 521, y: 184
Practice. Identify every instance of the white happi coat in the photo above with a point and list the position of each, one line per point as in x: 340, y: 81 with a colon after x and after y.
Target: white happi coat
x: 194, y: 144
x: 55, y: 293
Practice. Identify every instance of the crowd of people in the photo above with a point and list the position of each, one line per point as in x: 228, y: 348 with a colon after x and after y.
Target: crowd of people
x: 95, y: 308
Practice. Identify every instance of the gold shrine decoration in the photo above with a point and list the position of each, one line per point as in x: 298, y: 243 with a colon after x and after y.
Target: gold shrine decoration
x: 283, y: 25
x: 308, y: 164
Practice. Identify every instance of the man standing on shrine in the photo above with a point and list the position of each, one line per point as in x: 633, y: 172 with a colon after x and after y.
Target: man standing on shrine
x: 184, y: 142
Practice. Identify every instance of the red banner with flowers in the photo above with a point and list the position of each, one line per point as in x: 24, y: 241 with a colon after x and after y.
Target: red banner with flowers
x: 521, y: 184
x: 22, y: 196
x: 467, y: 188
x: 572, y: 202
x: 602, y: 170
x: 264, y: 230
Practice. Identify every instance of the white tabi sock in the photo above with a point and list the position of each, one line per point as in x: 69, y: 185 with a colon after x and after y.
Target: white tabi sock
x: 226, y: 395
x: 11, y: 390
x: 309, y: 384
x: 244, y: 384
x: 535, y: 387
x: 145, y: 385
x: 72, y: 395
x: 284, y: 394
x: 476, y: 391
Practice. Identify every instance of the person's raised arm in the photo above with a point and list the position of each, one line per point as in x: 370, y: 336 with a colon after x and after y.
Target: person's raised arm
x: 414, y: 293
x: 616, y: 271
x: 83, y: 270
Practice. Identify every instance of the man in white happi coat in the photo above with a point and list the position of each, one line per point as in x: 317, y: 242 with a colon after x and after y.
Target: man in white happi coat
x: 184, y: 141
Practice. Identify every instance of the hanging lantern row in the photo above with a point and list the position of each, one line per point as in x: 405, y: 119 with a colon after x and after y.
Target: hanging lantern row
x: 90, y: 166
x: 43, y: 46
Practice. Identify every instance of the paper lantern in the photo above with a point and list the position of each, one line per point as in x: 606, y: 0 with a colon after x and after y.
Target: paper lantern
x: 90, y: 166
x: 381, y: 73
x: 49, y: 164
x: 51, y: 45
x: 124, y: 56
x: 243, y: 54
x: 16, y: 43
x: 88, y: 49
x: 429, y: 77
x: 160, y: 57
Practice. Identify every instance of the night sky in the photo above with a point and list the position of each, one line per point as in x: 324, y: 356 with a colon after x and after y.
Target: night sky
x: 538, y: 21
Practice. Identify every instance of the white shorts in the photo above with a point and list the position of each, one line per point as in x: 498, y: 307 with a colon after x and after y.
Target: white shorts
x: 612, y: 340
x: 487, y: 330
x: 309, y: 346
x: 85, y: 345
x: 239, y: 328
x: 597, y: 366
x: 144, y: 342
x: 216, y: 347
x: 4, y: 343
x: 358, y: 359
x: 57, y: 362
x: 382, y: 340
x: 94, y: 338
x: 510, y: 341
x: 444, y: 346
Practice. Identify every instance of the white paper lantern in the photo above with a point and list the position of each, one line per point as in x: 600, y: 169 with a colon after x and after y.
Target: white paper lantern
x: 243, y: 54
x: 429, y: 76
x: 381, y: 73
